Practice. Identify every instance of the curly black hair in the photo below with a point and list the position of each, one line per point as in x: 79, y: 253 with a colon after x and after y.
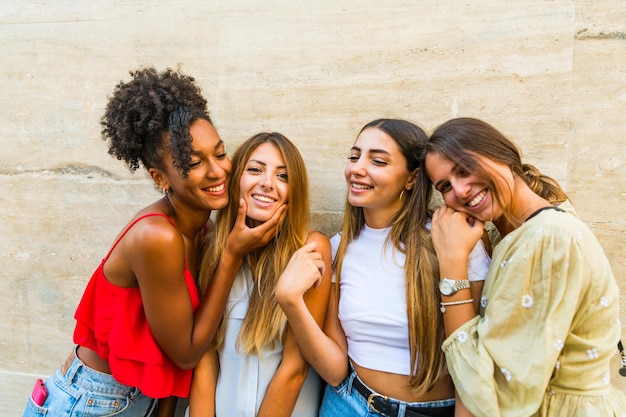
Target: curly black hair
x: 150, y: 112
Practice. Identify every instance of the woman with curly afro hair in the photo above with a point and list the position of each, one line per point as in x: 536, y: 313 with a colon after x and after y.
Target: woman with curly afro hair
x: 142, y: 324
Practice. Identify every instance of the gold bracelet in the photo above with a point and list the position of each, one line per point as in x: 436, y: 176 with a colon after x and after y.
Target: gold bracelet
x: 454, y: 303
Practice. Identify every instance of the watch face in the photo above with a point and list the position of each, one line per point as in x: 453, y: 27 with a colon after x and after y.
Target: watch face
x: 445, y: 287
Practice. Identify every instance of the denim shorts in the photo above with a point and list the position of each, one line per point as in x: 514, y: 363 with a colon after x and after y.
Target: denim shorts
x: 83, y: 391
x: 343, y: 400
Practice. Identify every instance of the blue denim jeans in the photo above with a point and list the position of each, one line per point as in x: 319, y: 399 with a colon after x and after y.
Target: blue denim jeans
x: 84, y: 392
x: 345, y: 401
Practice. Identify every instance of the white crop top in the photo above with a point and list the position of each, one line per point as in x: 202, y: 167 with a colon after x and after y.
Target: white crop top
x: 372, y: 301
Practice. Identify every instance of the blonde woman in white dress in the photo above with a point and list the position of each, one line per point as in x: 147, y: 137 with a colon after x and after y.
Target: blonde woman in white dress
x: 255, y: 367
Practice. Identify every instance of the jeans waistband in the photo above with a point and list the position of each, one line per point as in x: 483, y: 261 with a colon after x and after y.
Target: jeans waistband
x: 78, y: 373
x: 391, y: 407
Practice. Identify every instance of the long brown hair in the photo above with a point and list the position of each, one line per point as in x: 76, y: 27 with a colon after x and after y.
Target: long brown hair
x: 265, y: 321
x: 462, y: 139
x: 409, y: 236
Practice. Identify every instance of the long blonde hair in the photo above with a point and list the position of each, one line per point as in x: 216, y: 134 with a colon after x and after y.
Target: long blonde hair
x: 265, y: 321
x: 409, y: 236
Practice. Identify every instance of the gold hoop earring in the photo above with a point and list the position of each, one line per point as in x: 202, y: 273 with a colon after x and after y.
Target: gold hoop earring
x: 402, y: 194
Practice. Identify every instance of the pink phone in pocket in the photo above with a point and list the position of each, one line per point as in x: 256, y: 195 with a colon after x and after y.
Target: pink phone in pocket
x: 40, y: 393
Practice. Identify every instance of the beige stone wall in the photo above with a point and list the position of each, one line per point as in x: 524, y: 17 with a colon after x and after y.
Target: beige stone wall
x: 550, y: 74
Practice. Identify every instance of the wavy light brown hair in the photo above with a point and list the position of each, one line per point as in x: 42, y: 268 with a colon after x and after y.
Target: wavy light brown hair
x: 265, y: 321
x: 462, y: 139
x: 409, y: 236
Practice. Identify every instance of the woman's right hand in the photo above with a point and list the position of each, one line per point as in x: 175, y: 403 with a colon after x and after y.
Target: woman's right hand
x: 244, y: 239
x: 454, y: 234
x: 304, y: 270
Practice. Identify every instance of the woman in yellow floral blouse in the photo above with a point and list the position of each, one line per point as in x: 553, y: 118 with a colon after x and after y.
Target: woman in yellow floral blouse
x: 548, y: 325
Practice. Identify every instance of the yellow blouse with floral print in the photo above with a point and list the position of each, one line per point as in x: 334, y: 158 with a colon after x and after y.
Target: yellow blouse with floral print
x: 548, y: 327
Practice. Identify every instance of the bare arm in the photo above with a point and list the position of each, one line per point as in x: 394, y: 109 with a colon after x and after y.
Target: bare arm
x: 453, y: 238
x: 459, y: 408
x: 282, y: 393
x: 203, y: 386
x: 183, y: 335
x: 476, y: 290
x: 167, y: 407
x: 326, y: 350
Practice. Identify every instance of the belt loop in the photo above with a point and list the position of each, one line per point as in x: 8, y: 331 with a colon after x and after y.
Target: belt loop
x: 134, y: 392
x: 351, y: 377
x: 72, y: 369
x: 395, y: 409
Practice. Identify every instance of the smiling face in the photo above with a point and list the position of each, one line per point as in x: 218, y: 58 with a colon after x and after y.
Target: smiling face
x: 467, y: 192
x: 209, y: 168
x: 264, y: 183
x: 377, y: 174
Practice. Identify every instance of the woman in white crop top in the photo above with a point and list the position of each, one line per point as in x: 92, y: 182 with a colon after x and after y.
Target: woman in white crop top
x: 380, y: 351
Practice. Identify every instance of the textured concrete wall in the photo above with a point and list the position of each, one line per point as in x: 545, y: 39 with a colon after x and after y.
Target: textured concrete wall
x: 550, y: 74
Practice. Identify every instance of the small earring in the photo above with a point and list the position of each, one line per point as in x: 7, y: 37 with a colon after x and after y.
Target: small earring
x: 164, y: 191
x: 402, y: 194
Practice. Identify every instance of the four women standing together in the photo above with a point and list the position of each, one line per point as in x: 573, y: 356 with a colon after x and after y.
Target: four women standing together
x: 536, y: 340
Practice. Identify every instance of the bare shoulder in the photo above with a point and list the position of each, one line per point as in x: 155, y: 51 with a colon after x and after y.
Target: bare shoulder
x: 155, y: 234
x: 145, y: 245
x: 315, y: 236
x: 320, y: 238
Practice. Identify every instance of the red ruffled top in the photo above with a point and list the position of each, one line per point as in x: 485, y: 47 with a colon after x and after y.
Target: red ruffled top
x: 111, y: 321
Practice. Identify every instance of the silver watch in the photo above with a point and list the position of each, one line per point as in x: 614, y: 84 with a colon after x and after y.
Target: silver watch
x: 449, y: 286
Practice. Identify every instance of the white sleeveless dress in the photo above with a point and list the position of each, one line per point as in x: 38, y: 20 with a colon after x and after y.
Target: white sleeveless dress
x: 243, y: 380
